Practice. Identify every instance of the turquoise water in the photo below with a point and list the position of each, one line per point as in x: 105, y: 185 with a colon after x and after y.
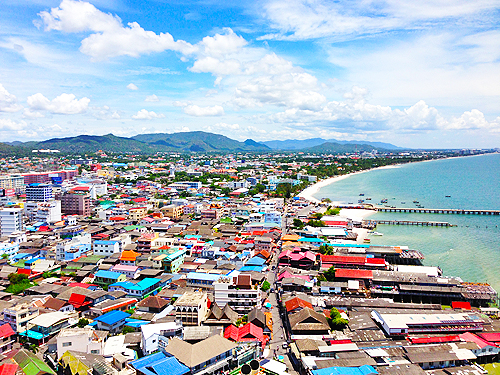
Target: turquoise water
x: 471, y: 250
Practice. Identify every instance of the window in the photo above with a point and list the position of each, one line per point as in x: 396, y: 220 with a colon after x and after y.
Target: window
x: 94, y: 351
x: 67, y: 344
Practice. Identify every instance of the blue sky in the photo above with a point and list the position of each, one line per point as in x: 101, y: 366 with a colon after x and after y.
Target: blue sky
x: 416, y: 74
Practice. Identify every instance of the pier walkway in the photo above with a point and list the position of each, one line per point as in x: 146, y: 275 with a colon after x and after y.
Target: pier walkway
x: 438, y: 211
x: 411, y: 222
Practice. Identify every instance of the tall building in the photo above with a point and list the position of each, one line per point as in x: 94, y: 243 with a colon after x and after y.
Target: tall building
x: 11, y: 220
x: 39, y: 193
x: 12, y: 181
x: 76, y: 202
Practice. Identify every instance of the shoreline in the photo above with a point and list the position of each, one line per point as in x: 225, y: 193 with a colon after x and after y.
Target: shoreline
x: 308, y: 192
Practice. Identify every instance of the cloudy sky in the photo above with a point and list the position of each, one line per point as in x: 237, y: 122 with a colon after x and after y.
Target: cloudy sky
x: 414, y: 73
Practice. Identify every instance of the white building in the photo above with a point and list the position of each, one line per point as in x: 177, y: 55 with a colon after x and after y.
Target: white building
x: 73, y: 248
x: 152, y: 333
x: 106, y: 248
x: 83, y: 340
x: 39, y: 193
x: 48, y: 212
x: 11, y: 220
x: 238, y: 292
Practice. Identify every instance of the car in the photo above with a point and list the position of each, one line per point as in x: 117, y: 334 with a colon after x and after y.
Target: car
x: 285, y: 345
x: 272, y: 290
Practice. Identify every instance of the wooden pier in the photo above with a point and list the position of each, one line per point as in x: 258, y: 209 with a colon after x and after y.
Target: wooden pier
x: 411, y: 222
x: 438, y: 211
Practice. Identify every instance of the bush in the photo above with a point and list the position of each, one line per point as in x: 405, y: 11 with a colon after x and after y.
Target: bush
x: 82, y: 323
x: 265, y: 286
x: 126, y: 330
x: 336, y: 321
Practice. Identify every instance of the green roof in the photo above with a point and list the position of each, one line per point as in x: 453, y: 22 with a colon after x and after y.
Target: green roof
x: 90, y: 259
x: 129, y: 228
x: 31, y: 364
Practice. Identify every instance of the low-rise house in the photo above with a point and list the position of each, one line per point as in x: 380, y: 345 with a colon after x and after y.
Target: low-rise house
x: 112, y: 321
x: 122, y: 304
x: 30, y: 364
x: 191, y: 308
x: 210, y: 355
x: 45, y: 326
x: 138, y: 289
x: 7, y: 338
x: 152, y: 304
x: 83, y: 340
x: 224, y: 317
x: 106, y: 248
x: 157, y: 363
x: 308, y: 322
x: 19, y: 315
x: 106, y: 278
x: 131, y: 272
x: 56, y: 304
x: 156, y: 336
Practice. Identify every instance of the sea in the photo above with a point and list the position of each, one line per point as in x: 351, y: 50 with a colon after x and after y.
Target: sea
x: 469, y: 250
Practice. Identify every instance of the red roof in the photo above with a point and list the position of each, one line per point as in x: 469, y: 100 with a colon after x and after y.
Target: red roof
x: 295, y: 303
x: 81, y: 188
x: 140, y: 199
x: 470, y: 337
x: 336, y: 223
x: 340, y: 259
x: 490, y: 336
x: 117, y: 218
x: 248, y: 332
x: 8, y: 369
x: 353, y: 274
x: 78, y: 300
x: 461, y: 305
x: 434, y: 339
x: 6, y: 331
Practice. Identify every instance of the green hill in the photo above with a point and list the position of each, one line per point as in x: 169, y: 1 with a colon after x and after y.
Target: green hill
x: 200, y: 142
x: 142, y: 143
x: 337, y: 148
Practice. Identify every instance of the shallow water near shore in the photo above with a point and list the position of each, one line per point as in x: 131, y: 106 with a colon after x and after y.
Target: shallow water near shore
x: 471, y: 250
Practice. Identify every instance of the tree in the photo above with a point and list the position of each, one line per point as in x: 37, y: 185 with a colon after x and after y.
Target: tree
x: 5, y: 256
x: 336, y: 321
x: 326, y: 250
x: 126, y: 330
x: 82, y: 323
x: 317, y: 215
x: 298, y: 223
x: 265, y: 286
x: 316, y: 223
x: 329, y: 274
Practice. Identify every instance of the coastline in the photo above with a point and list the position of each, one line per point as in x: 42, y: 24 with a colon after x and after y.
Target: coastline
x: 308, y: 192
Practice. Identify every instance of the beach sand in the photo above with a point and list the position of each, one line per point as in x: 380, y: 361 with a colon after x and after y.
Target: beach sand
x: 308, y: 192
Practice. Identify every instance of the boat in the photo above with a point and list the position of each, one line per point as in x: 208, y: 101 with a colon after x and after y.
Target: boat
x: 361, y: 201
x: 447, y: 196
x: 366, y: 240
x: 403, y: 202
x: 416, y: 202
x: 383, y: 200
x: 377, y: 234
x: 368, y: 199
x: 361, y: 194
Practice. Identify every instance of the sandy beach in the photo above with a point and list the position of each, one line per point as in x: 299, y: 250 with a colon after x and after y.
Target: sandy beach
x: 313, y: 189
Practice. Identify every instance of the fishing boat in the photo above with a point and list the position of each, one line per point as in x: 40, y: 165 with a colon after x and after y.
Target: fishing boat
x: 361, y: 194
x: 368, y: 199
x: 416, y: 202
x: 384, y: 200
x: 361, y: 201
x: 447, y: 196
x: 376, y: 234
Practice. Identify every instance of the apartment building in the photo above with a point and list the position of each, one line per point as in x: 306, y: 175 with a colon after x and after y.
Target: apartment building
x: 238, y: 292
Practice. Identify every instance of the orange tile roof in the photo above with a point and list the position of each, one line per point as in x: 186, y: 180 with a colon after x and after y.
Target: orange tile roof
x: 129, y: 255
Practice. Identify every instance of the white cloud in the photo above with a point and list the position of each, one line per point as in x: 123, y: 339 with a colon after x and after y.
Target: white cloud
x: 215, y: 66
x: 8, y: 102
x: 144, y: 114
x: 109, y: 37
x: 27, y: 113
x: 105, y: 113
x: 63, y: 104
x: 309, y: 19
x: 222, y: 44
x: 131, y: 86
x: 194, y: 110
x: 179, y: 103
x: 8, y: 124
x: 151, y: 98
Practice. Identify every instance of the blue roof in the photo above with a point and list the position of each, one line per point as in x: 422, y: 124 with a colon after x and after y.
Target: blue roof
x: 251, y: 268
x: 104, y: 242
x: 160, y: 365
x: 363, y: 370
x: 203, y: 276
x: 112, y: 317
x: 108, y: 274
x: 139, y: 285
x: 135, y: 322
x: 307, y: 239
x: 255, y: 261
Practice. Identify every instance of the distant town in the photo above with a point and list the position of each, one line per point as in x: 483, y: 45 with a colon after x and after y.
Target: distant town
x: 175, y: 263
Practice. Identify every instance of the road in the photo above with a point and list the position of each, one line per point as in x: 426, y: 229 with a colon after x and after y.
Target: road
x: 279, y: 336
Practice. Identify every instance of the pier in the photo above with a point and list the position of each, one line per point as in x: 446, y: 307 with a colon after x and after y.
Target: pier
x: 438, y: 211
x: 411, y: 222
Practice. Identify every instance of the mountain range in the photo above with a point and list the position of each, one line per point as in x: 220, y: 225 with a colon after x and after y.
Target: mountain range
x: 197, y: 141
x: 296, y: 144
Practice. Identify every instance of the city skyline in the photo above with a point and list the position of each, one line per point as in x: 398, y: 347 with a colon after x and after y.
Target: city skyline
x: 415, y: 75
